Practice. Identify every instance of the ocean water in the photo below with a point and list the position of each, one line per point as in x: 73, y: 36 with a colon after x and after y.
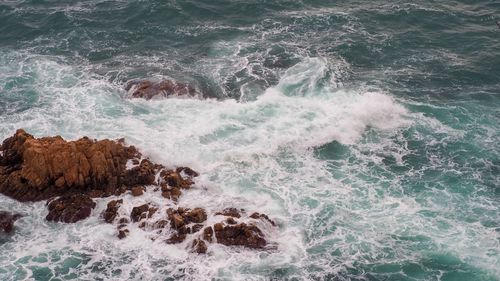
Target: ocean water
x: 369, y: 130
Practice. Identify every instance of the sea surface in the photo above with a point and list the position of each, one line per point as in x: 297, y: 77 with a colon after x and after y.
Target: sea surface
x: 369, y: 130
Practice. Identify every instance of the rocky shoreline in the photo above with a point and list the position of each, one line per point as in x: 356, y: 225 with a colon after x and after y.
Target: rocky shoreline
x: 71, y: 174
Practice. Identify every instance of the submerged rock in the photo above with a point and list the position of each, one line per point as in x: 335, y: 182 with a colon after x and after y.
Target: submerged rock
x: 147, y: 89
x: 230, y: 212
x: 240, y: 235
x: 70, y: 208
x: 7, y: 221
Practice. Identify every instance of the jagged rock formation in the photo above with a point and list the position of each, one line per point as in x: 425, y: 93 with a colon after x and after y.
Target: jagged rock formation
x: 71, y: 173
x: 70, y: 208
x: 147, y: 89
x: 7, y: 221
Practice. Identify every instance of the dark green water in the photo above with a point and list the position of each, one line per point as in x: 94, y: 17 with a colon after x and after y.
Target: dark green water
x: 369, y: 130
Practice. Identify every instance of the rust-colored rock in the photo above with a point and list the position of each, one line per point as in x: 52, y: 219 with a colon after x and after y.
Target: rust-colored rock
x: 230, y: 212
x: 70, y: 208
x: 176, y: 238
x: 7, y: 221
x: 174, y: 179
x: 137, y: 191
x: 188, y: 171
x: 34, y: 169
x: 249, y: 236
x: 196, y: 215
x: 199, y: 246
x: 150, y: 89
x: 111, y: 211
x: 231, y: 220
x: 140, y: 212
x: 262, y: 216
x: 195, y: 228
x: 181, y: 216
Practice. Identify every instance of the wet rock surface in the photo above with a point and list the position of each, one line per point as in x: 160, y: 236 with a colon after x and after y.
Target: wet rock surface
x: 7, y: 220
x: 239, y: 235
x: 148, y: 89
x: 70, y: 208
x: 111, y: 211
x: 40, y: 168
x: 71, y: 173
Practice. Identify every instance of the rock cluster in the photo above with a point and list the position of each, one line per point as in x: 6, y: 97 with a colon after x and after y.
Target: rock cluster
x: 147, y: 89
x: 70, y: 173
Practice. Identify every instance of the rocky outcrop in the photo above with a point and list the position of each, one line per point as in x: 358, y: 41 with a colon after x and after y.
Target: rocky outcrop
x: 70, y: 208
x: 7, y: 221
x: 147, y: 89
x: 239, y: 235
x: 40, y: 168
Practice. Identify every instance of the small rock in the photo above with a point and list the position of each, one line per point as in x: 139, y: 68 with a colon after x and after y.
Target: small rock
x: 197, y: 227
x: 242, y: 234
x: 70, y: 208
x: 7, y: 221
x: 139, y: 212
x: 137, y: 190
x: 208, y: 233
x: 111, y: 211
x: 262, y: 216
x: 150, y: 89
x: 123, y: 233
x: 230, y: 212
x: 176, y: 238
x: 197, y: 215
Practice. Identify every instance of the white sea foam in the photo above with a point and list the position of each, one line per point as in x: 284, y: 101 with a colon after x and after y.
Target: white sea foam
x: 255, y: 155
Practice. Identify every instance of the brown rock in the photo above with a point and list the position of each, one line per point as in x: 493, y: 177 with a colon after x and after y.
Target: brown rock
x: 196, y: 215
x: 208, y: 233
x: 176, y: 238
x: 123, y: 233
x: 40, y: 168
x: 177, y: 221
x: 175, y: 180
x: 197, y: 227
x: 137, y: 190
x: 70, y: 208
x: 140, y: 212
x: 230, y: 220
x: 230, y: 212
x: 188, y: 171
x: 7, y: 221
x: 149, y: 89
x: 111, y: 211
x: 199, y: 246
x: 262, y: 216
x: 240, y: 235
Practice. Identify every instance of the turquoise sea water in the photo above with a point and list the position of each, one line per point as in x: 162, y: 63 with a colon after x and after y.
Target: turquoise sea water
x: 368, y: 129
